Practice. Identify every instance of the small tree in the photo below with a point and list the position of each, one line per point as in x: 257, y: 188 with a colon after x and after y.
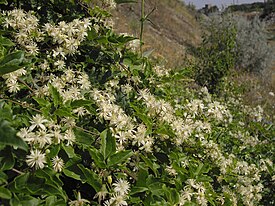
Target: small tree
x: 231, y: 41
x: 216, y: 54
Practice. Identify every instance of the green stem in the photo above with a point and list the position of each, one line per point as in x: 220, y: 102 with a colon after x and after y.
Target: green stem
x: 17, y: 171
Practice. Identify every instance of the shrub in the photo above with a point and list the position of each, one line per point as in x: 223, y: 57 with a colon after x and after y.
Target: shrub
x: 253, y: 51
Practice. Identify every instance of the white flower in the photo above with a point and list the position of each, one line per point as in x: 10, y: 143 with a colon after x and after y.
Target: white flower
x: 171, y: 171
x: 69, y: 136
x: 44, y: 66
x: 38, y: 121
x: 58, y: 137
x: 84, y: 81
x: 60, y: 64
x: 58, y: 164
x: 32, y: 48
x: 13, y: 87
x: 117, y: 200
x: 36, y: 159
x: 43, y: 138
x: 23, y: 133
x: 186, y: 195
x: 101, y: 195
x: 121, y: 187
x: 69, y: 122
x: 81, y: 111
x: 79, y: 201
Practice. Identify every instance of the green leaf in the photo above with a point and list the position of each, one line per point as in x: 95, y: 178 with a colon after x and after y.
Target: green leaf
x: 97, y: 157
x: 202, y: 168
x: 92, y: 34
x: 119, y: 157
x: 8, y: 136
x: 5, y: 41
x: 204, y: 178
x: 11, y: 62
x: 145, y: 119
x: 136, y: 190
x: 153, y: 166
x: 171, y: 195
x: 57, y: 99
x: 53, y: 190
x: 142, y: 175
x: 42, y: 102
x: 164, y: 129
x: 108, y: 144
x: 69, y: 151
x: 124, y: 39
x: 156, y: 188
x: 3, y: 51
x: 80, y: 103
x: 71, y: 174
x: 83, y: 137
x: 25, y: 200
x: 102, y: 40
x: 91, y: 178
x: 5, y: 193
x: 63, y: 112
x: 20, y: 181
x: 54, y: 150
x: 4, y: 2
x: 52, y: 200
x: 49, y: 175
x: 8, y: 161
x: 74, y: 160
x: 3, y: 178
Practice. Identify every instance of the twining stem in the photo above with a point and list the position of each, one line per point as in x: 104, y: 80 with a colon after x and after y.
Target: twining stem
x: 20, y: 103
x: 29, y: 107
x: 20, y: 80
x: 142, y: 19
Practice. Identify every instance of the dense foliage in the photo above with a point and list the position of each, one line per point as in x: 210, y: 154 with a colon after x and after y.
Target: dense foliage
x: 85, y: 120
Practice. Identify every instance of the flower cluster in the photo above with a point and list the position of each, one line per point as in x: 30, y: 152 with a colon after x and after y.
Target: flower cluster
x: 41, y: 134
x: 161, y: 71
x: 195, y: 190
x: 183, y: 127
x: 26, y: 26
x: 109, y: 4
x: 123, y: 127
x: 121, y: 189
x: 12, y: 80
x: 67, y: 36
x: 246, y: 139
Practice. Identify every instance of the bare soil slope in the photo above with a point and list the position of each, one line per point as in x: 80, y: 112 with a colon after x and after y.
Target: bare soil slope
x: 172, y: 28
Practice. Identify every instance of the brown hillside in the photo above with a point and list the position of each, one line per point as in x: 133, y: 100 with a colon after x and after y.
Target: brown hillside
x: 172, y: 28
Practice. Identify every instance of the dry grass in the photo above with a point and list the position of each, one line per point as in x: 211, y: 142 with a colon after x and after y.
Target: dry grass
x: 171, y: 30
x: 257, y: 91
